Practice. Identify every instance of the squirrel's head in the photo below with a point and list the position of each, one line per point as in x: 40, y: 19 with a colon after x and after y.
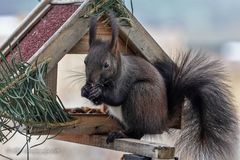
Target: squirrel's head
x: 103, y: 60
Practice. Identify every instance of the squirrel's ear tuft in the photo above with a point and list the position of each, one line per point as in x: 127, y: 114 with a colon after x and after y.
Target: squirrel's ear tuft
x: 114, y: 41
x: 92, y: 30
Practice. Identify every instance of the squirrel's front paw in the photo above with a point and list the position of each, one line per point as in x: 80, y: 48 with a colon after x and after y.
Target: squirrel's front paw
x: 95, y: 95
x: 114, y: 135
x: 85, y: 91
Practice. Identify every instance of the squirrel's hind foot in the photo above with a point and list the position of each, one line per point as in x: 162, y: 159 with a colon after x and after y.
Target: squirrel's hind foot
x: 115, y: 135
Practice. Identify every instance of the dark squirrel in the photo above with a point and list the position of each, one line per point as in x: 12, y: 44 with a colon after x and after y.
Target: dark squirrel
x: 145, y: 96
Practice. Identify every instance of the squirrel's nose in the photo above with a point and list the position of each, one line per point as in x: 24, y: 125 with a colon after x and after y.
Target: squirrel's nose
x: 93, y: 80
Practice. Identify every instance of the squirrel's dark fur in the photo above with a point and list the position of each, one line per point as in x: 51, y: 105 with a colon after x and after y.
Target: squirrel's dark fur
x: 149, y: 94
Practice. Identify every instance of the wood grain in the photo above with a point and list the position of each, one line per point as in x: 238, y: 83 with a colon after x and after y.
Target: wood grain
x: 80, y: 125
x: 103, y: 32
x: 51, y: 80
x: 141, y: 41
x: 139, y: 147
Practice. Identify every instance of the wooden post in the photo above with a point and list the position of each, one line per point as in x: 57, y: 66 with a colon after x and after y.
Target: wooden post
x: 51, y: 80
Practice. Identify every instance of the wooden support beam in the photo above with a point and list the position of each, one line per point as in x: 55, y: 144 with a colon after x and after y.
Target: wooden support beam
x: 141, y: 41
x: 51, y: 80
x: 138, y: 147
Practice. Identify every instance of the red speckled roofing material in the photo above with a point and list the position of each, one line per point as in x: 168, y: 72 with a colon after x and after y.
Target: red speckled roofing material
x: 44, y: 29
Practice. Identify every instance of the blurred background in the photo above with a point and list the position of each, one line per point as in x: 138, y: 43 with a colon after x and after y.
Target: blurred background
x: 212, y: 26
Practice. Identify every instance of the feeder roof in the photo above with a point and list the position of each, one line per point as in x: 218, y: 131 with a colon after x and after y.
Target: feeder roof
x: 55, y: 26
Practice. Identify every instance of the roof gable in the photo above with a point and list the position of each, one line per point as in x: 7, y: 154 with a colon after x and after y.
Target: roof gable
x: 54, y: 27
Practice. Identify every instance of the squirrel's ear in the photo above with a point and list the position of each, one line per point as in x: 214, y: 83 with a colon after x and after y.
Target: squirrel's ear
x: 92, y: 30
x: 114, y: 41
x: 115, y: 49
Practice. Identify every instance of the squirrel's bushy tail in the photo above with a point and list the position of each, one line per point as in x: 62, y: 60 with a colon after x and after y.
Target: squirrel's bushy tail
x: 209, y: 117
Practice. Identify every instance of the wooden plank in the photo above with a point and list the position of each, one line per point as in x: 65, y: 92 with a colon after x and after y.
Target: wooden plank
x: 64, y: 38
x: 51, y: 80
x: 141, y: 41
x: 66, y: 1
x: 139, y: 147
x: 138, y: 157
x: 134, y: 157
x: 83, y: 124
x: 27, y: 23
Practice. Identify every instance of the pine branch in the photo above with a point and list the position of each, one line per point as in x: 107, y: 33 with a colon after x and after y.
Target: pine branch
x: 25, y: 99
x: 100, y: 7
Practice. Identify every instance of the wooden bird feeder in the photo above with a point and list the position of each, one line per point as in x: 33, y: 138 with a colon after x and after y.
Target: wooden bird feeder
x: 59, y: 27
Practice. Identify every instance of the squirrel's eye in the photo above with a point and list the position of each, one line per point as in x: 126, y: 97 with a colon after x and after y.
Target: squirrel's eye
x: 106, y: 65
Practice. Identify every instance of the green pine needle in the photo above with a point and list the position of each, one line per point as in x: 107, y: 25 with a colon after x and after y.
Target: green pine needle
x: 100, y: 7
x: 25, y: 99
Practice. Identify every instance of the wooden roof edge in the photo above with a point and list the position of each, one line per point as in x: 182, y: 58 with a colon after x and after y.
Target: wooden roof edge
x: 142, y: 41
x: 66, y: 1
x: 24, y: 25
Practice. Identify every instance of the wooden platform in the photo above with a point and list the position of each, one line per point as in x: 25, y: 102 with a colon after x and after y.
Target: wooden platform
x: 81, y: 124
x: 92, y: 129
